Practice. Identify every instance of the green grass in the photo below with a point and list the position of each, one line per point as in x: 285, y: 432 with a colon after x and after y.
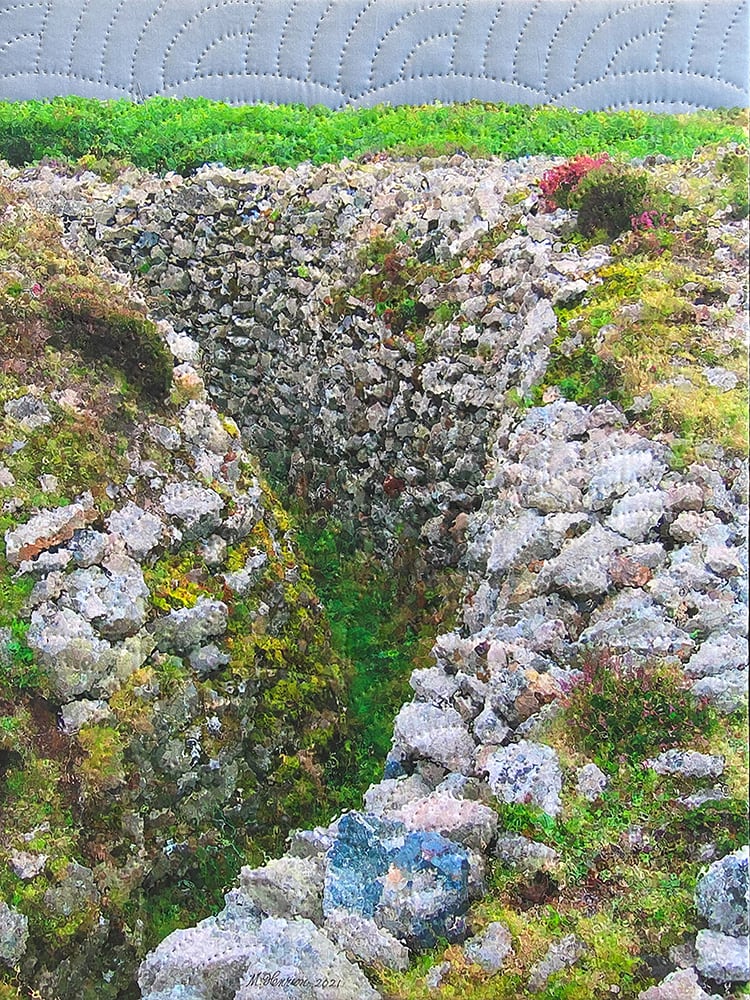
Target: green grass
x: 169, y: 134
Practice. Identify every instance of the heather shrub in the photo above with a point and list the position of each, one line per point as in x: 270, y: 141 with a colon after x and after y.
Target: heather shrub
x: 620, y: 710
x: 559, y: 184
x: 608, y: 198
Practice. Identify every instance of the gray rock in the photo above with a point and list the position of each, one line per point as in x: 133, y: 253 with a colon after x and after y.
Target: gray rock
x: 722, y: 895
x: 389, y: 795
x: 723, y: 958
x: 213, y: 551
x: 364, y: 942
x: 724, y: 561
x: 435, y: 977
x: 27, y: 865
x: 591, y: 781
x: 112, y: 598
x: 201, y: 426
x: 286, y: 887
x: 423, y: 730
x: 288, y: 960
x: 141, y: 530
x: 168, y: 437
x: 31, y: 412
x: 524, y: 855
x: 208, y: 660
x: 67, y: 646
x: 84, y: 712
x: 196, y: 508
x: 490, y: 947
x: 186, y: 629
x: 581, y: 568
x: 47, y: 529
x: 469, y: 823
x: 680, y: 985
x: 87, y: 547
x: 687, y: 764
x: 560, y: 955
x: 178, y: 992
x: 75, y: 892
x: 727, y: 692
x: 14, y: 934
x: 526, y: 772
x: 242, y: 581
x: 718, y: 653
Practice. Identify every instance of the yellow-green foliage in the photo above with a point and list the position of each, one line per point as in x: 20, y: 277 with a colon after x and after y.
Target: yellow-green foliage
x: 102, y: 768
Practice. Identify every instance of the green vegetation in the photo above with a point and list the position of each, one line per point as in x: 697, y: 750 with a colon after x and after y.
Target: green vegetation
x: 383, y: 619
x: 167, y: 134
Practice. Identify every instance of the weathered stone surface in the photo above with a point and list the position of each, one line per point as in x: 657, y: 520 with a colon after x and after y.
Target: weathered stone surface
x: 83, y: 713
x: 186, y: 629
x: 526, y: 772
x: 469, y: 823
x: 141, y: 530
x: 680, y: 985
x: 727, y: 692
x: 591, y: 781
x: 112, y: 597
x: 26, y: 864
x: 722, y: 895
x: 14, y: 934
x: 687, y: 764
x: 389, y: 795
x: 30, y: 411
x: 67, y: 646
x: 47, y: 529
x: 364, y: 942
x: 75, y: 892
x: 723, y: 958
x: 423, y: 730
x: 490, y: 947
x: 196, y: 508
x: 522, y: 854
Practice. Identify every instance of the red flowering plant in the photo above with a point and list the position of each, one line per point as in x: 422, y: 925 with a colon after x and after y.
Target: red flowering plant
x: 559, y: 183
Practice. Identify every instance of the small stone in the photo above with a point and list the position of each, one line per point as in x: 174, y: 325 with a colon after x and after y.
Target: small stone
x: 727, y: 692
x: 722, y: 895
x: 687, y: 764
x: 27, y: 865
x: 469, y: 823
x: 14, y: 934
x: 723, y: 561
x: 84, y: 712
x: 168, y: 437
x: 286, y: 887
x: 213, y: 551
x: 197, y: 508
x: 87, y: 547
x: 435, y: 977
x: 140, y: 530
x: 560, y: 955
x: 527, y: 772
x: 366, y: 943
x: 30, y: 412
x: 185, y: 629
x: 47, y: 529
x: 524, y: 855
x: 208, y: 660
x: 490, y: 948
x: 48, y: 483
x: 591, y: 782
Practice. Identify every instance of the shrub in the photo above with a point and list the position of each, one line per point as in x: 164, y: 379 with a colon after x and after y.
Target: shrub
x: 622, y: 710
x: 608, y: 197
x: 558, y: 184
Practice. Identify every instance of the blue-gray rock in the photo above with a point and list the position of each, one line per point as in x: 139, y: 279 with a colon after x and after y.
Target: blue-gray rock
x: 31, y: 412
x: 286, y: 887
x: 14, y: 934
x: 436, y: 734
x: 723, y: 958
x: 722, y: 895
x: 416, y: 885
x: 112, y: 597
x: 526, y: 772
x: 727, y: 692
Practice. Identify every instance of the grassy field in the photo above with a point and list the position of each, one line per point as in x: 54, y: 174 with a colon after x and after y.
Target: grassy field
x: 168, y: 134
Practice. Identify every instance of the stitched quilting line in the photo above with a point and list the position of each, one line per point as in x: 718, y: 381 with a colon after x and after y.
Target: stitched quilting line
x: 42, y: 32
x: 667, y: 19
x: 18, y: 38
x: 77, y: 31
x: 610, y: 17
x: 397, y: 24
x: 742, y: 9
x: 629, y: 41
x: 147, y: 24
x: 524, y: 27
x: 555, y: 35
x: 285, y: 27
x: 107, y: 35
x: 316, y: 32
x: 659, y: 73
x: 416, y: 47
x: 214, y: 5
x: 457, y: 33
x: 350, y: 34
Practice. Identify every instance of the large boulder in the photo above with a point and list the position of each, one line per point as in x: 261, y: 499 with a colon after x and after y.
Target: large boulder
x: 723, y: 958
x: 415, y: 885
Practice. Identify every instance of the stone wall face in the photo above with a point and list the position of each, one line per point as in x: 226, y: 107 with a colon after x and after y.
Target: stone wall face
x: 579, y: 53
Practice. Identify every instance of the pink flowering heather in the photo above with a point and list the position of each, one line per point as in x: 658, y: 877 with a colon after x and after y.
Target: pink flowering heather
x: 560, y: 182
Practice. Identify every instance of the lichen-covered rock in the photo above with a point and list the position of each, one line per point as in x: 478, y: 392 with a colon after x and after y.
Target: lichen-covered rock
x: 591, y: 781
x: 723, y: 958
x: 469, y: 823
x: 186, y: 629
x: 14, y: 934
x: 140, y: 530
x: 423, y: 730
x: 490, y: 947
x: 526, y: 772
x: 415, y: 885
x: 722, y: 895
x: 69, y: 648
x: 522, y: 854
x: 197, y: 509
x: 112, y: 597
